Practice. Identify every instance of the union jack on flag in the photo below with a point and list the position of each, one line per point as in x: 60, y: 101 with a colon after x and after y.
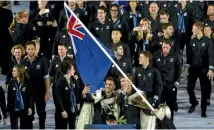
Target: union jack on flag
x: 73, y: 24
x: 91, y: 62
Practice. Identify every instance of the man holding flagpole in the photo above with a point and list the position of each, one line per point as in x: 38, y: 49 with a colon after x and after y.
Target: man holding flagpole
x: 90, y: 53
x: 104, y: 102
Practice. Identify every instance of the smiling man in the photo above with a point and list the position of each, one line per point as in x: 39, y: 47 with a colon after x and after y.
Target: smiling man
x: 105, y: 102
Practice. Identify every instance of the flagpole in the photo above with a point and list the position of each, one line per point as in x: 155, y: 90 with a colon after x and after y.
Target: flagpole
x: 110, y: 58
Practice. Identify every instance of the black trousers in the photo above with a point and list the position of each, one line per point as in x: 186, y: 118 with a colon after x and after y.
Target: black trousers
x: 39, y: 102
x: 25, y: 120
x: 62, y: 123
x: 169, y: 96
x: 205, y: 83
x: 182, y: 39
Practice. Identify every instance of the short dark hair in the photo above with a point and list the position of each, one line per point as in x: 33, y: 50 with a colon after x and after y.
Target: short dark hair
x: 116, y: 29
x: 4, y: 3
x: 63, y: 44
x: 167, y: 41
x: 166, y: 25
x: 116, y: 5
x: 205, y: 26
x: 69, y: 60
x: 114, y: 47
x: 102, y: 8
x: 30, y: 43
x: 65, y: 66
x: 163, y: 12
x: 110, y: 117
x: 147, y: 54
x: 110, y: 78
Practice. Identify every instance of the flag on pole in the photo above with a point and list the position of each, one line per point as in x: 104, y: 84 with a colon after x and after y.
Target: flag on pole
x: 92, y: 63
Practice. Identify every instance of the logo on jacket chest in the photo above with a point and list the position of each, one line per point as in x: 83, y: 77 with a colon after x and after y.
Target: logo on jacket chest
x: 171, y: 60
x: 203, y: 44
x: 124, y: 63
x: 77, y: 14
x: 47, y: 15
x: 107, y: 27
x: 193, y: 44
x: 86, y: 12
x: 24, y: 89
x: 38, y: 66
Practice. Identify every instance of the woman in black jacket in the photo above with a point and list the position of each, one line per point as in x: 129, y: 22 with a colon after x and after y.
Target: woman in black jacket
x: 20, y: 99
x: 3, y: 105
x: 18, y: 52
x: 143, y: 38
x: 132, y: 15
x: 22, y: 31
x: 66, y: 98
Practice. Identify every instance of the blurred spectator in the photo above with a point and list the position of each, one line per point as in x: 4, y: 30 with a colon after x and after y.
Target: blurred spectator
x: 116, y: 39
x: 119, y: 23
x: 198, y: 10
x: 102, y: 27
x: 62, y: 23
x: 210, y: 16
x: 6, y: 41
x: 183, y: 20
x: 45, y: 26
x: 22, y: 31
x: 132, y: 15
x: 153, y: 16
x: 3, y: 106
